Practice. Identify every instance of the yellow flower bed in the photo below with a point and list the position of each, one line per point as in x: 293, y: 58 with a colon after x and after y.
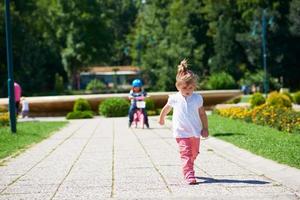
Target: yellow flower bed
x: 235, y: 112
x: 4, y: 119
x: 282, y: 118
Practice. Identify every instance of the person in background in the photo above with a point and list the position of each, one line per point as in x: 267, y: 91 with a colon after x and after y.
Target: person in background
x: 18, y: 94
x: 25, y: 108
x: 136, y: 91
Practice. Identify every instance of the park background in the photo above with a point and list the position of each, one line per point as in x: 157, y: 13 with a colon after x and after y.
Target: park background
x: 54, y: 40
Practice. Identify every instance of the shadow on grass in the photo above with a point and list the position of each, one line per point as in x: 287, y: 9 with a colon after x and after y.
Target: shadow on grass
x: 227, y: 134
x: 213, y: 180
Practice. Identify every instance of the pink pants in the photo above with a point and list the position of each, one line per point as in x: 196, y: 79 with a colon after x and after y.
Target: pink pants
x: 189, y: 149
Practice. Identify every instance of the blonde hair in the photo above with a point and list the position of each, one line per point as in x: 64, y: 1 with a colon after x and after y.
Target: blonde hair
x: 184, y: 75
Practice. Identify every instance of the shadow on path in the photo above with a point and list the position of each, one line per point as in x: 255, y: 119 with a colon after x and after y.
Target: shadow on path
x: 227, y: 134
x: 213, y: 180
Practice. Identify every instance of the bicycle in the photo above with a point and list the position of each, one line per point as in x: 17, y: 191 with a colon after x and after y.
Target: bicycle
x: 138, y: 116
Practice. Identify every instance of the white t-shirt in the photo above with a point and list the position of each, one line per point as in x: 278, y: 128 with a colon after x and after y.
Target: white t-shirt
x: 186, y: 119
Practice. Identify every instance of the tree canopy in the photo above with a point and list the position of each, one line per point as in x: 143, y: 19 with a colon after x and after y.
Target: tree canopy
x: 54, y: 38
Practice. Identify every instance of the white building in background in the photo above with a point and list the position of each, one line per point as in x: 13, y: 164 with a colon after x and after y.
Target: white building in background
x: 107, y: 74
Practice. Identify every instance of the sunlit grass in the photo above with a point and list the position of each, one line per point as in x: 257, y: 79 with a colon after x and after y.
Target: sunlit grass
x: 264, y: 141
x: 27, y: 134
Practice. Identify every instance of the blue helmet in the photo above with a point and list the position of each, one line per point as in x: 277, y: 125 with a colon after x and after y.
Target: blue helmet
x: 137, y: 83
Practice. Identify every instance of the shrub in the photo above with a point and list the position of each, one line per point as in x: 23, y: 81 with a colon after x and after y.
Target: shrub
x: 282, y: 118
x: 151, y: 112
x: 95, y: 85
x: 297, y: 97
x: 158, y: 110
x: 114, y: 107
x: 289, y: 121
x: 3, y: 109
x: 150, y: 105
x: 81, y: 105
x: 264, y: 115
x: 80, y: 115
x: 278, y: 100
x: 234, y: 101
x: 220, y: 81
x: 257, y: 99
x: 288, y: 95
x: 4, y: 119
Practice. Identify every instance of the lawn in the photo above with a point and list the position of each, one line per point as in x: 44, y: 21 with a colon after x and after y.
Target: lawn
x: 27, y: 134
x: 264, y: 141
x: 245, y: 98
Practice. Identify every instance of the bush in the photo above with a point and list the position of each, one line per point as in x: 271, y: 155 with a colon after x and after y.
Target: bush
x: 95, y: 85
x: 80, y: 115
x: 4, y: 119
x: 150, y: 105
x: 278, y: 100
x: 282, y: 118
x: 297, y: 97
x: 158, y: 111
x: 288, y: 95
x: 220, y: 81
x: 81, y: 105
x: 151, y: 112
x: 234, y: 101
x: 257, y: 99
x: 3, y: 109
x: 114, y: 107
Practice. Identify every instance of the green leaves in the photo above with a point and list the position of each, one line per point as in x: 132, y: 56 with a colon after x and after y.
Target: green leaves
x: 60, y: 36
x: 114, y: 107
x: 294, y: 17
x: 165, y: 34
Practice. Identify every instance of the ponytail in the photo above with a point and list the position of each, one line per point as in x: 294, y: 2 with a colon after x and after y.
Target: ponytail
x: 182, y: 67
x: 184, y: 75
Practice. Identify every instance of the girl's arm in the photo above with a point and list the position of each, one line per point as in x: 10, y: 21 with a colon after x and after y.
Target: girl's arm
x: 166, y: 109
x: 203, y: 118
x: 130, y: 95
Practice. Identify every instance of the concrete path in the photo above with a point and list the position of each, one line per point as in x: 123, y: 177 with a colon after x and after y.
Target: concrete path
x: 103, y: 159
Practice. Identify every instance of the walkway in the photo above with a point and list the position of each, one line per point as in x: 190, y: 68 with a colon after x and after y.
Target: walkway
x: 101, y: 159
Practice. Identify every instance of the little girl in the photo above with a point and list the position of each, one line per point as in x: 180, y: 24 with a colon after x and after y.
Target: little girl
x: 189, y: 119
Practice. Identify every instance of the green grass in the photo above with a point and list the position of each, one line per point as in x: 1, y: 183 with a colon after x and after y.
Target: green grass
x: 264, y: 141
x: 27, y: 134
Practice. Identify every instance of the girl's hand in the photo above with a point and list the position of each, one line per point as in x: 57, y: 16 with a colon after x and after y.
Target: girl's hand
x: 161, y: 121
x: 204, y: 133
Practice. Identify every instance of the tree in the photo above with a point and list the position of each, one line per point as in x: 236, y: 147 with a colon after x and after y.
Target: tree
x: 294, y: 17
x: 223, y: 25
x: 31, y: 52
x: 82, y: 31
x: 165, y: 34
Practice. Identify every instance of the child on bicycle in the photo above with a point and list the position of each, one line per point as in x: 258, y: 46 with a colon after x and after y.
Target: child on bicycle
x: 134, y: 93
x: 189, y: 119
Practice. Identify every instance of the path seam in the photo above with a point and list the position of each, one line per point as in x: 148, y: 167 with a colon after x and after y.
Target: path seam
x: 113, y: 163
x: 46, y: 156
x: 89, y: 139
x: 152, y: 162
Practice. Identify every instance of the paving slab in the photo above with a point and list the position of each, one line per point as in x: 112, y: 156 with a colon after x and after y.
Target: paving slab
x: 102, y: 158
